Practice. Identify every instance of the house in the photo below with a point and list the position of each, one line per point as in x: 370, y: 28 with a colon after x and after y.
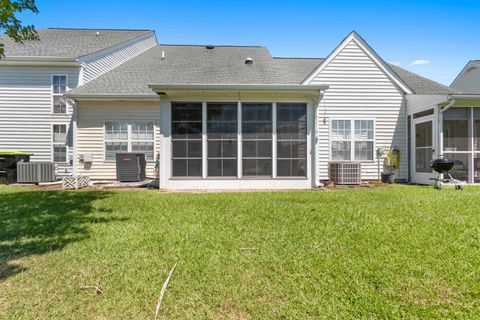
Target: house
x: 34, y: 115
x: 468, y: 80
x: 222, y: 117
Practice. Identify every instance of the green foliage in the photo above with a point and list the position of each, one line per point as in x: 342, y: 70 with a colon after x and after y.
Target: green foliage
x: 404, y: 252
x: 10, y: 24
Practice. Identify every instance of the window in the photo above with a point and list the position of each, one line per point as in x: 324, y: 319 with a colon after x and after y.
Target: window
x: 257, y: 139
x: 187, y: 139
x: 124, y: 136
x: 59, y: 87
x: 356, y: 133
x: 363, y: 140
x: 291, y: 140
x: 59, y: 140
x: 142, y: 139
x: 222, y: 139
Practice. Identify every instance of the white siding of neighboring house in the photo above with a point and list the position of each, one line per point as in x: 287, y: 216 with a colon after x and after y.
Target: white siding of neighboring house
x: 469, y: 79
x: 98, y: 63
x: 359, y: 88
x: 26, y: 112
x: 91, y: 117
x: 26, y: 116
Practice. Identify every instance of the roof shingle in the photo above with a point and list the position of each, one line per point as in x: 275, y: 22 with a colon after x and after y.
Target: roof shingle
x: 195, y: 64
x: 68, y: 43
x: 198, y: 65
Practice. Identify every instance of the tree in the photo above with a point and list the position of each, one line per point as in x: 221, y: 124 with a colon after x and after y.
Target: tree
x: 10, y: 24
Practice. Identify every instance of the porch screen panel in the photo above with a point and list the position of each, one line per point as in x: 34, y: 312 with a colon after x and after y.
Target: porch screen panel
x: 291, y: 140
x: 257, y: 139
x: 222, y: 139
x: 423, y: 146
x: 455, y: 130
x: 186, y: 139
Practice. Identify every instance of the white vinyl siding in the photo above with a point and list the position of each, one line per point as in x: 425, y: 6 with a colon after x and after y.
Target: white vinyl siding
x: 98, y: 63
x: 468, y: 80
x: 91, y: 119
x: 26, y: 117
x: 360, y: 89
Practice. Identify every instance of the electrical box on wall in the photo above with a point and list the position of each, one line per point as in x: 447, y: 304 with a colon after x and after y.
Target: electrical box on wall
x: 86, y: 157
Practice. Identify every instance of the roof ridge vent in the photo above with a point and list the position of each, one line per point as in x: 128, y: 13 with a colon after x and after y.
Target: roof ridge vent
x: 248, y: 60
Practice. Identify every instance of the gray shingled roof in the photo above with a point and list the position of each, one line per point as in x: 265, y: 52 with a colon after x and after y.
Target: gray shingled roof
x: 188, y: 64
x: 421, y: 85
x: 68, y: 43
x: 185, y: 64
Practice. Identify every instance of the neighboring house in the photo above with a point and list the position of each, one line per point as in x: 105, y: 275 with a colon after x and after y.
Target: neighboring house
x: 34, y: 114
x: 223, y: 117
x: 468, y: 80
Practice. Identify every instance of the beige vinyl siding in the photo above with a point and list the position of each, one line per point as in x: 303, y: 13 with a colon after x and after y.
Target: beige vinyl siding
x: 98, y: 63
x: 26, y: 116
x: 359, y: 89
x: 91, y: 118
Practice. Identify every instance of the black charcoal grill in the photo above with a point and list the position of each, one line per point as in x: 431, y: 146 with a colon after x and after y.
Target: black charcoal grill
x: 443, y: 166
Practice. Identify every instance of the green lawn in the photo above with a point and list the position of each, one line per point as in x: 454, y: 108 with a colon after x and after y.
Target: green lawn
x: 403, y: 252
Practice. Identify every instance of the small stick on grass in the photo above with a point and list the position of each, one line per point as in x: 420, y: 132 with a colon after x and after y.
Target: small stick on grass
x: 97, y: 287
x: 162, y: 292
x: 248, y: 248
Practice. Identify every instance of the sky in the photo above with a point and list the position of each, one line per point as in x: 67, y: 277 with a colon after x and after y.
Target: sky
x: 432, y: 38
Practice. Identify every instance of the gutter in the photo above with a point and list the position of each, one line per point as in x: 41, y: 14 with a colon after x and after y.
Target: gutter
x: 43, y: 61
x: 237, y: 87
x: 449, y: 105
x: 111, y: 96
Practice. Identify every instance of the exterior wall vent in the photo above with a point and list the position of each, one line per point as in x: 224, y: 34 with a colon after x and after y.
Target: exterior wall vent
x: 343, y: 172
x: 248, y: 60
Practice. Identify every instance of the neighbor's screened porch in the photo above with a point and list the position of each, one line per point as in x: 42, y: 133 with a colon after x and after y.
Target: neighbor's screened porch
x: 461, y: 141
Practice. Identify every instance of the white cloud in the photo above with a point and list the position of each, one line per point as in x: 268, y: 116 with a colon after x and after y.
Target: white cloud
x: 395, y: 63
x: 420, y: 61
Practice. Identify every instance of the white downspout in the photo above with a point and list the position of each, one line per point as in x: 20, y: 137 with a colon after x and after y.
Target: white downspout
x: 440, y: 126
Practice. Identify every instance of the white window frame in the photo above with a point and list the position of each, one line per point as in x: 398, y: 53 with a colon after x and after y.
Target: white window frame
x: 52, y: 143
x: 129, y: 138
x: 352, y: 139
x: 53, y: 94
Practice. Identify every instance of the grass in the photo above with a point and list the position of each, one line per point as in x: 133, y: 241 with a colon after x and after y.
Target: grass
x: 403, y: 252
